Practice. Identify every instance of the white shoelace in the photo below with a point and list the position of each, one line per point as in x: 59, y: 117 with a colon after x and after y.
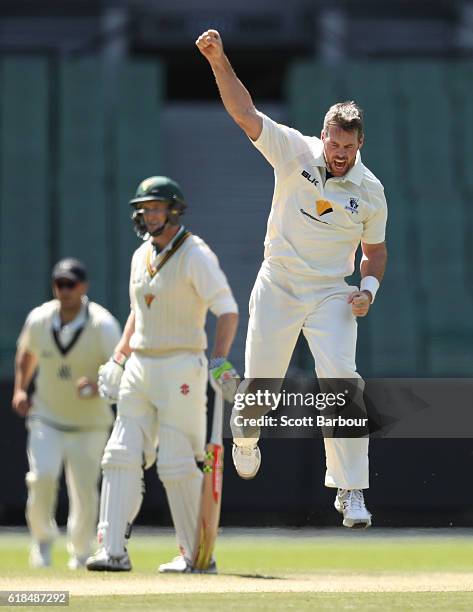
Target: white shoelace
x: 354, y: 499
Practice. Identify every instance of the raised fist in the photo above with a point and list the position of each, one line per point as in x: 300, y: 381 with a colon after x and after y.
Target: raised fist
x: 210, y: 45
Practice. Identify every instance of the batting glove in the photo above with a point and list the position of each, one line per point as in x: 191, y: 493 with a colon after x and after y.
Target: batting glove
x: 110, y: 375
x: 223, y: 378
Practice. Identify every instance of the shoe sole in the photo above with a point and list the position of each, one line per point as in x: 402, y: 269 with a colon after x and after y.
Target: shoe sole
x: 190, y: 570
x: 246, y: 477
x: 362, y: 524
x: 108, y: 569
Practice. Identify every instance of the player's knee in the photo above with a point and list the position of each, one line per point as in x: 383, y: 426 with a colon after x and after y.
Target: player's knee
x: 125, y: 446
x: 41, y: 481
x: 176, y: 459
x: 120, y: 457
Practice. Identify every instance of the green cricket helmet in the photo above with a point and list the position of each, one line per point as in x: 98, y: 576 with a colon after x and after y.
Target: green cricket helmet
x: 161, y: 189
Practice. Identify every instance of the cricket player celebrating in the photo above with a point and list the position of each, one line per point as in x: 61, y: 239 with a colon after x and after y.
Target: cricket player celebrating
x: 158, y: 373
x: 64, y: 341
x: 325, y: 202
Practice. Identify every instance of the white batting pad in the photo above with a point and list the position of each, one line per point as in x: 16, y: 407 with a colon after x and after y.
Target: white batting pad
x: 182, y: 480
x: 120, y: 502
x: 122, y: 490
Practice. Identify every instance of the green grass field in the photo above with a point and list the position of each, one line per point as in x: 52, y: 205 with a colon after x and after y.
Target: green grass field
x: 269, y: 569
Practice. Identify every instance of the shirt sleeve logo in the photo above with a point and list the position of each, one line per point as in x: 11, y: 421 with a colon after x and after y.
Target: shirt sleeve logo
x: 309, y: 177
x: 323, y: 207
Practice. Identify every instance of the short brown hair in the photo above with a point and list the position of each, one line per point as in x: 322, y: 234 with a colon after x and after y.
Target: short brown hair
x: 347, y: 115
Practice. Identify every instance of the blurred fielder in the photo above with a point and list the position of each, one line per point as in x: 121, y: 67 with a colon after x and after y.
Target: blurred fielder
x: 325, y: 202
x: 65, y: 341
x: 158, y: 373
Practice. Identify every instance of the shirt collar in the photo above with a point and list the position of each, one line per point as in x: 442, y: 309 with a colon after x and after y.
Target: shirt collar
x: 171, y: 243
x: 354, y: 175
x: 77, y: 322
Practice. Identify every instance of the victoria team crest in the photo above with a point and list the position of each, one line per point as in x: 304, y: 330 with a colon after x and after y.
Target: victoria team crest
x: 352, y: 205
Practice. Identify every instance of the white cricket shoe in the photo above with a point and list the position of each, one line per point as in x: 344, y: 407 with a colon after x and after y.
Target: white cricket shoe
x: 351, y: 503
x: 77, y: 562
x: 180, y: 565
x: 102, y: 561
x: 247, y: 460
x: 40, y: 555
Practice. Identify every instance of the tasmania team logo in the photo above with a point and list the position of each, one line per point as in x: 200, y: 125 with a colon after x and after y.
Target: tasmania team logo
x: 149, y: 297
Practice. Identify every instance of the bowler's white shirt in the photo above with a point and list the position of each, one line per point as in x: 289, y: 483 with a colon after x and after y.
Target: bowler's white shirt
x: 315, y: 227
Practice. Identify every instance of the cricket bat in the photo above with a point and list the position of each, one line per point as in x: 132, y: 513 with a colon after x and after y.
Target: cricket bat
x: 211, y: 499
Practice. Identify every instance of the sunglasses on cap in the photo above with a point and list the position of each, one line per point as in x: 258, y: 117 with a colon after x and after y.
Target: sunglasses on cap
x: 64, y: 283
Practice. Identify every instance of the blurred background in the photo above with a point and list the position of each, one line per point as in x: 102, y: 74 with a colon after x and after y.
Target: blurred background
x: 97, y: 95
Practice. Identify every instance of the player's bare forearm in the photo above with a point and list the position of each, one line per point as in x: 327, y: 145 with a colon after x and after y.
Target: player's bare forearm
x: 124, y: 345
x: 25, y: 366
x: 373, y: 262
x: 235, y: 97
x: 227, y: 324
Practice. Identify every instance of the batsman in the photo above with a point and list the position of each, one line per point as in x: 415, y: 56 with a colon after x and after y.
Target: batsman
x: 158, y: 375
x: 325, y: 203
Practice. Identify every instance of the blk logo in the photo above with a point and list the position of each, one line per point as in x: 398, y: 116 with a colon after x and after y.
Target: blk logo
x: 309, y: 177
x: 184, y: 389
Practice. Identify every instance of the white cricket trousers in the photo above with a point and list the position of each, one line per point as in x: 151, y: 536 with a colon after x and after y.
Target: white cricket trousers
x: 281, y: 305
x: 80, y: 452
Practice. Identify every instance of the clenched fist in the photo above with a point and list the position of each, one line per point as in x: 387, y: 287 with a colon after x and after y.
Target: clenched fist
x: 21, y: 403
x: 210, y: 45
x: 360, y: 303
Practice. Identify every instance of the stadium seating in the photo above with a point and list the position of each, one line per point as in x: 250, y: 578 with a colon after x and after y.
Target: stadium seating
x: 75, y: 142
x: 139, y: 148
x: 418, y: 135
x: 25, y: 189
